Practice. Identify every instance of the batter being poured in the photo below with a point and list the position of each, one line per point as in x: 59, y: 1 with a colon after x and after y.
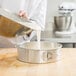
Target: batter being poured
x: 33, y: 11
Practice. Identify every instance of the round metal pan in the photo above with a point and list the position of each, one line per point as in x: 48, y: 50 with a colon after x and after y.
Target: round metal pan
x: 47, y: 52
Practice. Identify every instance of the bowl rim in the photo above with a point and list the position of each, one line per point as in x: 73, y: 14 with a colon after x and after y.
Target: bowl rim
x: 58, y: 44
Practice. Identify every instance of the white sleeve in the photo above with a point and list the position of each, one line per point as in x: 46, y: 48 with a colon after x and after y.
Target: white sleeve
x: 36, y: 11
x: 1, y: 1
x: 39, y: 14
x: 23, y: 5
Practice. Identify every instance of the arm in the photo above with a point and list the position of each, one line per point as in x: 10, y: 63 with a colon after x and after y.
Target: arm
x: 39, y: 14
x: 1, y: 1
x: 35, y: 12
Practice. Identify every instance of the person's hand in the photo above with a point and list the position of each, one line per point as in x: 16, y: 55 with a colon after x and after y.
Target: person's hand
x: 23, y: 14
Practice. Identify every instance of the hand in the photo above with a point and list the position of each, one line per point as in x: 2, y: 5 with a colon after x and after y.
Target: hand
x: 23, y: 14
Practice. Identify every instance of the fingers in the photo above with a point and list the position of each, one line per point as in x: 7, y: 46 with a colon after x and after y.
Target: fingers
x: 23, y: 14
